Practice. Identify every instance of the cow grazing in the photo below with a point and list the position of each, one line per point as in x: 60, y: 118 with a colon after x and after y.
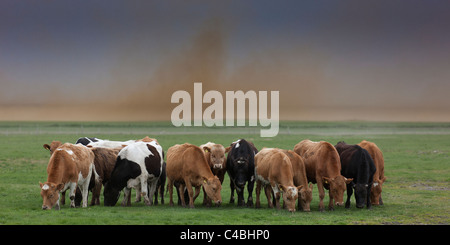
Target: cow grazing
x: 215, y: 156
x: 241, y: 169
x: 299, y: 171
x: 69, y: 166
x: 357, y: 164
x: 104, y: 161
x: 378, y: 177
x: 273, y: 170
x: 323, y: 166
x: 139, y: 166
x: 187, y: 166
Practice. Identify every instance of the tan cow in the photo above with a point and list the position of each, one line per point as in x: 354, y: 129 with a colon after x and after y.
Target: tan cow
x: 70, y: 165
x: 273, y: 170
x: 323, y: 166
x: 299, y: 171
x: 378, y: 177
x: 187, y: 165
x: 215, y: 156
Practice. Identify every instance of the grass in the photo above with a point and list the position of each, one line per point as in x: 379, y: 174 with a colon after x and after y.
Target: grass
x: 417, y: 159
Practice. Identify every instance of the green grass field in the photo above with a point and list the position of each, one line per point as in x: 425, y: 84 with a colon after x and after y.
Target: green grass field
x: 417, y: 166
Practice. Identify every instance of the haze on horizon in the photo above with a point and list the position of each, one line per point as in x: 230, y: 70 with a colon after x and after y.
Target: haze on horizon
x: 121, y: 61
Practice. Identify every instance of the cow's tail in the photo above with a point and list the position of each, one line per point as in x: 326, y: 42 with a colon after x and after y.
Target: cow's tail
x: 98, y: 181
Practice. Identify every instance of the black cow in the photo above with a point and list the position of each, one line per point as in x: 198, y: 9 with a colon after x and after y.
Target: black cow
x: 357, y: 163
x: 86, y: 140
x: 138, y: 165
x: 241, y: 169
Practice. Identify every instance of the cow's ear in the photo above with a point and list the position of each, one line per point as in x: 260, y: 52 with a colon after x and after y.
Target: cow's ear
x: 227, y: 149
x: 40, y: 184
x: 326, y: 180
x: 46, y: 146
x: 348, y: 181
x: 382, y: 180
x: 299, y: 187
x: 206, y: 149
x: 59, y: 187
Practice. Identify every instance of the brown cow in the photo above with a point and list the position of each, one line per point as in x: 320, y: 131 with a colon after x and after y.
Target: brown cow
x: 378, y: 177
x: 104, y: 161
x: 299, y: 171
x: 187, y: 165
x: 70, y: 165
x: 215, y: 156
x: 274, y: 170
x: 323, y: 167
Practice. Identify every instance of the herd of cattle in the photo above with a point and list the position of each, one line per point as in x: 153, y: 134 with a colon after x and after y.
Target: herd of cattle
x: 91, y: 163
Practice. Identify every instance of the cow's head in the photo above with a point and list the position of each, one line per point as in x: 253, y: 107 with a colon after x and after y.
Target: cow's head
x: 337, y: 186
x: 110, y: 194
x: 375, y: 192
x: 50, y: 195
x: 305, y: 197
x: 212, y: 188
x: 290, y: 196
x: 52, y: 147
x: 216, y: 156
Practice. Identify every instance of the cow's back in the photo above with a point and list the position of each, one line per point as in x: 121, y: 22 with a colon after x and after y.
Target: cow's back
x: 68, y: 161
x: 321, y: 158
x: 273, y: 165
x: 185, y: 159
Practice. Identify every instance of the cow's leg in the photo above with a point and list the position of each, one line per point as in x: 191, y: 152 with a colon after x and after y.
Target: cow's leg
x: 197, y: 192
x: 73, y: 188
x: 152, y: 190
x: 85, y: 193
x: 191, y: 194
x: 63, y: 197
x: 170, y: 187
x: 349, y: 194
x: 369, y: 203
x: 138, y: 194
x: 126, y: 197
x: 321, y: 193
x: 144, y: 191
x: 181, y: 196
x: 277, y: 195
x: 57, y: 207
x: 268, y: 191
x: 250, y: 186
x: 96, y: 194
x: 232, y: 191
x: 258, y: 193
x: 331, y: 202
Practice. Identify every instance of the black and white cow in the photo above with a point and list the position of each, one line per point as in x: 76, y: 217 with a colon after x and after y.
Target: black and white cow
x: 357, y: 163
x: 86, y: 140
x: 139, y: 165
x: 241, y: 169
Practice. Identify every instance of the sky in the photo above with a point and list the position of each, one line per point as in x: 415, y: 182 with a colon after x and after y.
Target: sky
x: 122, y: 60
